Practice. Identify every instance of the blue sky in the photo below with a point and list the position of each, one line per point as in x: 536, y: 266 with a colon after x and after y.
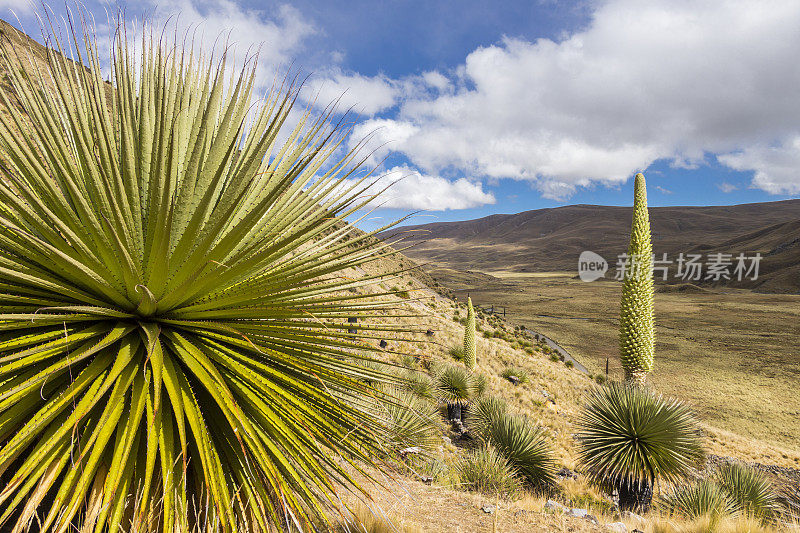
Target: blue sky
x: 502, y: 108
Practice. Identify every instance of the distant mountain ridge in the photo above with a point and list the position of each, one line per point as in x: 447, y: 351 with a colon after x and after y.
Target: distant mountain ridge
x: 551, y: 239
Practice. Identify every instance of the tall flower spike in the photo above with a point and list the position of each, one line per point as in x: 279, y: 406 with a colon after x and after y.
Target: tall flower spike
x: 637, y: 331
x: 470, y: 349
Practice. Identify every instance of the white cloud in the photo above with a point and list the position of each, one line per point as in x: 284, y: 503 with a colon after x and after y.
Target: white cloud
x: 413, y: 190
x: 776, y: 168
x: 19, y: 7
x: 380, y: 136
x: 644, y: 81
x: 435, y: 79
x: 727, y: 187
x: 364, y: 94
x: 276, y: 34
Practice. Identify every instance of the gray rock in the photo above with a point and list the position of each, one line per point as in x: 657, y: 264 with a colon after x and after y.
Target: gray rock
x: 577, y: 513
x: 488, y: 509
x: 616, y: 527
x: 591, y: 518
x: 554, y: 506
x: 633, y: 517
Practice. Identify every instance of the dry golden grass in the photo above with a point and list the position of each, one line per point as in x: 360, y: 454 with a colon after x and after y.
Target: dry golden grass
x: 440, y: 507
x: 731, y: 355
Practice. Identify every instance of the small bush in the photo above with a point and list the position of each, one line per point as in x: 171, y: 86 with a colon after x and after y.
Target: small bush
x: 554, y: 357
x: 487, y: 335
x: 516, y: 372
x: 420, y: 384
x: 600, y: 379
x: 479, y: 384
x: 365, y: 520
x: 485, y: 412
x: 568, y: 363
x: 526, y: 447
x: 704, y: 498
x: 580, y: 494
x: 485, y: 470
x: 411, y: 420
x: 457, y: 353
x: 749, y: 489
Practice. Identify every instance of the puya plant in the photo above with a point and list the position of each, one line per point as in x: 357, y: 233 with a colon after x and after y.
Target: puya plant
x: 470, y: 347
x: 629, y: 438
x: 637, y: 329
x: 173, y: 308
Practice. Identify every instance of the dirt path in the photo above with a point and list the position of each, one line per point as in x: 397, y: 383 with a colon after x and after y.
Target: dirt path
x: 561, y: 351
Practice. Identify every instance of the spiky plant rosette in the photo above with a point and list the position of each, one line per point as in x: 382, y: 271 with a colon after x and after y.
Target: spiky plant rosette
x: 750, y: 490
x: 485, y: 412
x: 412, y: 421
x: 525, y: 445
x: 702, y: 498
x: 455, y: 385
x: 628, y: 434
x: 173, y: 308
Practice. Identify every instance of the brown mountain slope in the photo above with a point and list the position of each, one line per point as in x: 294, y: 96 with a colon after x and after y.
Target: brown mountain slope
x: 552, y: 239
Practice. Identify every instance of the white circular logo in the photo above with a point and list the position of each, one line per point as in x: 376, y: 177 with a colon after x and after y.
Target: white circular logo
x: 591, y: 266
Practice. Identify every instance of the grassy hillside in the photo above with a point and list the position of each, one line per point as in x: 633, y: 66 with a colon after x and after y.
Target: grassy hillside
x: 421, y: 507
x: 547, y: 240
x: 731, y: 354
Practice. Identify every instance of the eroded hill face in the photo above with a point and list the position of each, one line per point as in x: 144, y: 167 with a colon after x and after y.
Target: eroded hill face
x: 546, y: 240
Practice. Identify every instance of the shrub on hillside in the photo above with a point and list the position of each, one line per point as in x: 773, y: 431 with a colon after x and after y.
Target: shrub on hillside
x: 457, y: 387
x: 485, y: 470
x: 485, y: 412
x: 749, y: 489
x: 521, y: 375
x: 704, y: 498
x: 457, y: 352
x: 412, y: 421
x: 526, y: 447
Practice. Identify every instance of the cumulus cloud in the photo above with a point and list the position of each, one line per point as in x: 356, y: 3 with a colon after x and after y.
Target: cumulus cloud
x: 19, y: 7
x: 364, y: 94
x: 278, y: 34
x: 727, y: 187
x: 409, y: 189
x: 776, y: 168
x: 666, y: 79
